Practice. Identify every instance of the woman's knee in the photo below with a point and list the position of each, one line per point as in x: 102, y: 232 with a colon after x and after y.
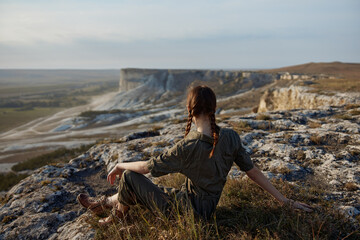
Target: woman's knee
x: 130, y: 176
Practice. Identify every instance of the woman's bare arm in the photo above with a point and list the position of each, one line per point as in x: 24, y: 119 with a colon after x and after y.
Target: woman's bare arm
x: 257, y: 176
x: 139, y: 167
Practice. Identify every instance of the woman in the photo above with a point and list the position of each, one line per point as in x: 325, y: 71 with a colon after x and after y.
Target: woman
x: 204, y: 156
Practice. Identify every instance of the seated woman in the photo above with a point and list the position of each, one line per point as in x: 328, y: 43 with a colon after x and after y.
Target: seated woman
x: 204, y: 156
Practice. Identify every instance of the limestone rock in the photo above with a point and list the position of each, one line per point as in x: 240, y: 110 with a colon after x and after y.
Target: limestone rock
x: 296, y: 97
x: 287, y: 146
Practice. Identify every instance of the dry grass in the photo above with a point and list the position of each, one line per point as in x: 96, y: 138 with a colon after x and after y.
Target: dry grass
x: 262, y: 117
x: 132, y: 147
x: 115, y: 157
x: 337, y: 85
x: 351, y: 186
x: 316, y: 139
x: 250, y: 99
x: 241, y: 126
x: 156, y: 128
x: 244, y: 211
x: 161, y: 144
x: 300, y: 155
x: 354, y: 112
x: 314, y: 124
x: 343, y: 116
x: 352, y: 106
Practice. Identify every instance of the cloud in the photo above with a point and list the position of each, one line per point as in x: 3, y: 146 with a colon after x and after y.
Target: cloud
x: 176, y: 33
x: 63, y: 22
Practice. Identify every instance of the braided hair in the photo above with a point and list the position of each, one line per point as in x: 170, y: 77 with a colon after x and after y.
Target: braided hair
x: 202, y: 100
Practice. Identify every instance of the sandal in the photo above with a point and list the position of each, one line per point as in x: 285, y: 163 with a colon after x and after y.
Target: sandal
x: 97, y: 206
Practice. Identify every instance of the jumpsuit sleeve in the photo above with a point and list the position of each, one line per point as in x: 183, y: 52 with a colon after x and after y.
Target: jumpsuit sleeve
x: 170, y: 161
x: 242, y: 158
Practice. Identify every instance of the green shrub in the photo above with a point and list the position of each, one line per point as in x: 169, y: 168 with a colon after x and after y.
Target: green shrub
x: 58, y: 156
x: 7, y: 180
x: 93, y: 114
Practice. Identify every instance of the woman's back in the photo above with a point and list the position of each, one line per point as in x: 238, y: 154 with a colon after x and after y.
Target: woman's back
x: 191, y: 157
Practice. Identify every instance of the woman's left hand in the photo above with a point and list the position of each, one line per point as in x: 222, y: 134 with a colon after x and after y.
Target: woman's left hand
x: 117, y: 170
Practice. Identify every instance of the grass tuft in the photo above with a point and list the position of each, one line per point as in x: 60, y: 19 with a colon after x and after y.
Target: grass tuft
x: 314, y: 124
x: 354, y: 112
x: 343, y: 116
x: 262, y: 117
x: 316, y: 139
x: 244, y: 211
x: 351, y: 186
x: 241, y: 126
x: 352, y: 106
x: 8, y: 219
x: 161, y: 144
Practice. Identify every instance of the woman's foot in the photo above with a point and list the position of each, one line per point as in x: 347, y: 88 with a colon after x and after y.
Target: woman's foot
x: 97, y: 206
x: 115, y: 216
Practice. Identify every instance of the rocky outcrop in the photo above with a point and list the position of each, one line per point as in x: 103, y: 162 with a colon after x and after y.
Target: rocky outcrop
x: 140, y: 88
x: 298, y: 146
x: 296, y: 97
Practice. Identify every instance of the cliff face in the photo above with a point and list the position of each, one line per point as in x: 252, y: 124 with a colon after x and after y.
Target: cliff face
x: 296, y: 97
x: 179, y: 80
x: 139, y: 88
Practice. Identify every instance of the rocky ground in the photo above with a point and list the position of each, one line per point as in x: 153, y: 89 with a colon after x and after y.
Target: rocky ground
x: 322, y: 146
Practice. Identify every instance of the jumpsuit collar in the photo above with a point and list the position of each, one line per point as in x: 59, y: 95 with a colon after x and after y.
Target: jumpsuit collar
x: 201, y: 137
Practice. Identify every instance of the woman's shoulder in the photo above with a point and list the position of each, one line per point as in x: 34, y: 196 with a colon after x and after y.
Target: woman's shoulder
x: 228, y: 132
x: 230, y: 135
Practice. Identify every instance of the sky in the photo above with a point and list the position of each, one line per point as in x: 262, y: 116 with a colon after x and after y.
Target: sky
x: 226, y: 34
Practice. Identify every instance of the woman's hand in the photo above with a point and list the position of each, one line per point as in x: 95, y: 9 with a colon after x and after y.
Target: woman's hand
x: 298, y: 205
x: 117, y: 170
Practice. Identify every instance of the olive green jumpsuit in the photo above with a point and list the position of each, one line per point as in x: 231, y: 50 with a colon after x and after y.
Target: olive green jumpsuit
x: 205, y: 177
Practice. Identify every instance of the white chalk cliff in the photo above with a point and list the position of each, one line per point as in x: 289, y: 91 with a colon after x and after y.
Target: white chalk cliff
x: 141, y: 88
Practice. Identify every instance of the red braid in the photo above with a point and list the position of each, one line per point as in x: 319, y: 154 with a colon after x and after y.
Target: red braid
x: 188, y: 126
x: 215, y: 133
x: 202, y: 100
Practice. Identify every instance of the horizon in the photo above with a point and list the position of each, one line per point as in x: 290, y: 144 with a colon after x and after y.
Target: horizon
x: 168, y: 35
x: 159, y: 68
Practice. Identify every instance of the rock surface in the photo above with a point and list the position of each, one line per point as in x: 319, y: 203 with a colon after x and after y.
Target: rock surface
x: 295, y: 145
x: 296, y: 97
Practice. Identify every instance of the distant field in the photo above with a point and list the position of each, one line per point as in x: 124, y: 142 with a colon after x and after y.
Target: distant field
x: 11, y: 117
x: 29, y: 94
